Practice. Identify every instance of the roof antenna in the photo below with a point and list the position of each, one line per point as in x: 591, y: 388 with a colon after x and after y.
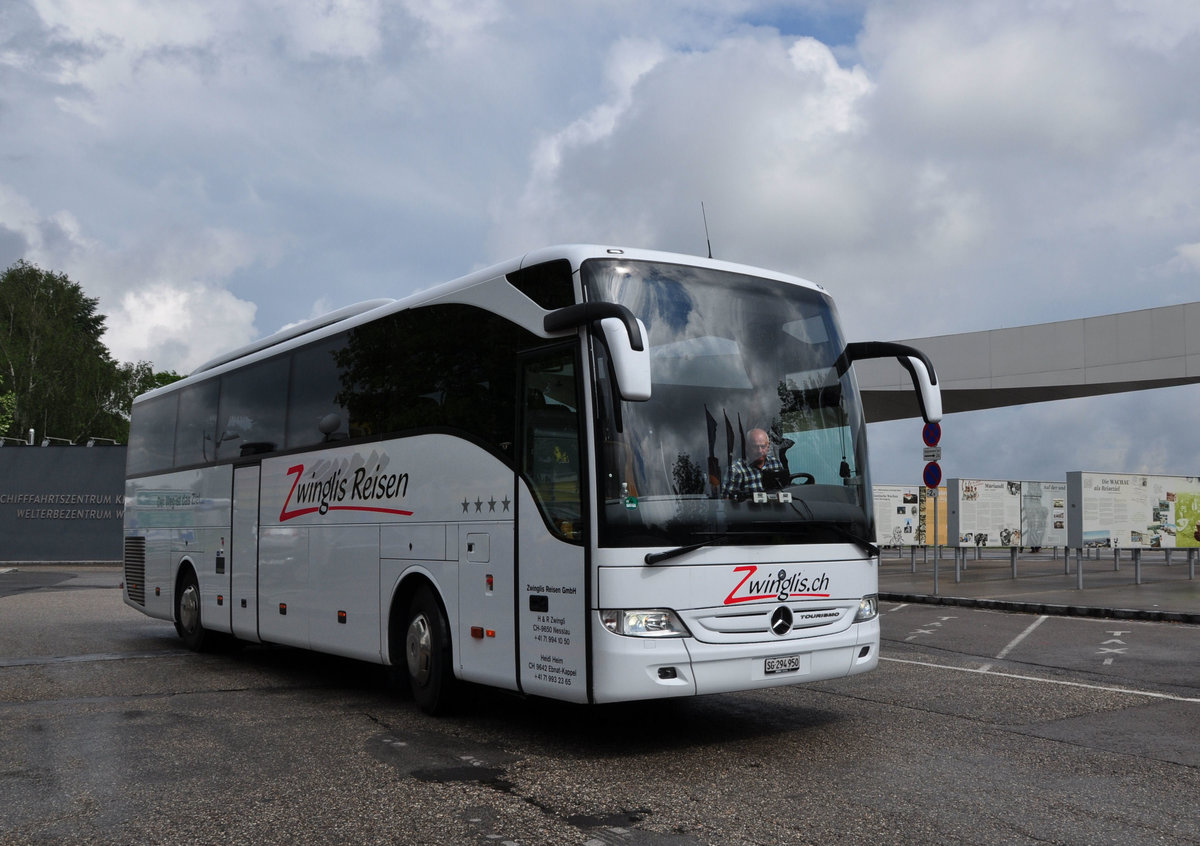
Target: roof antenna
x: 706, y: 238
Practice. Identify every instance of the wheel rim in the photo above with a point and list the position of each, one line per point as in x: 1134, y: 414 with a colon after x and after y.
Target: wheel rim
x: 189, y: 609
x: 419, y: 649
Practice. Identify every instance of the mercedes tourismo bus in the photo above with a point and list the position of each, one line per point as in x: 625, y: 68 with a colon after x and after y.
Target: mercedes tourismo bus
x: 521, y: 479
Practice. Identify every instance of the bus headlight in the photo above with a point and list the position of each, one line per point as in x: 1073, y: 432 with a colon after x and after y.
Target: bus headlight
x: 643, y: 622
x: 868, y: 608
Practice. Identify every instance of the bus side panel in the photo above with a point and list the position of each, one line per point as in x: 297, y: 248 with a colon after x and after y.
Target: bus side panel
x: 282, y: 585
x: 243, y: 554
x: 182, y: 516
x: 344, y: 591
x: 552, y: 614
x: 486, y: 637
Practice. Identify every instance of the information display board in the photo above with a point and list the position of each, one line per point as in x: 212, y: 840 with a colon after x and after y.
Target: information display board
x: 1132, y: 510
x: 1044, y: 514
x: 897, y: 515
x: 984, y: 512
x: 904, y: 515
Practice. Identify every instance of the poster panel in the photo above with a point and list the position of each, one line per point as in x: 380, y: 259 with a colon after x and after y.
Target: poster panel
x: 1044, y: 514
x: 933, y: 515
x: 897, y: 515
x: 985, y: 512
x: 1133, y: 510
x: 905, y: 515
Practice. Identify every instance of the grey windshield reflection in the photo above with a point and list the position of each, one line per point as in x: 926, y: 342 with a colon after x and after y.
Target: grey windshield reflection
x: 733, y: 358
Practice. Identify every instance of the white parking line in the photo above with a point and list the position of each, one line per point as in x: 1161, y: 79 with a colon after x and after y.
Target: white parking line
x: 1149, y: 693
x: 1012, y: 643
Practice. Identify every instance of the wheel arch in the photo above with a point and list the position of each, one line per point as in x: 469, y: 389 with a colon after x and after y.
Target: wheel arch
x: 185, y: 565
x: 397, y: 617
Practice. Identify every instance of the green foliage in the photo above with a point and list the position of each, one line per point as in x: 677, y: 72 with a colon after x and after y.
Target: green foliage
x: 8, y: 405
x: 60, y: 376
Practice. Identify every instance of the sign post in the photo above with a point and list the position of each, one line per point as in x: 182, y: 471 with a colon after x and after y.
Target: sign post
x: 932, y: 477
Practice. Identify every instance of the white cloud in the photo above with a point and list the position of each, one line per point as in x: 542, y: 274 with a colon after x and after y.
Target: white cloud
x: 996, y: 79
x: 163, y: 297
x: 179, y: 327
x: 341, y: 29
x: 454, y: 23
x: 1186, y: 261
x: 754, y: 127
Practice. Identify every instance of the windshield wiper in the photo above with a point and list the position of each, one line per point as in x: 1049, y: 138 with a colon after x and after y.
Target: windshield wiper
x: 871, y: 549
x: 838, y: 529
x: 653, y: 558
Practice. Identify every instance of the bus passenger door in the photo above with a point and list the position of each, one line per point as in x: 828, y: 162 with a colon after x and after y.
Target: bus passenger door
x: 243, y: 561
x: 552, y: 596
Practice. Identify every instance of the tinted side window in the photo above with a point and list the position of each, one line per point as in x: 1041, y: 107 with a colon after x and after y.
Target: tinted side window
x: 445, y: 366
x: 253, y: 400
x: 313, y: 404
x: 152, y: 436
x: 548, y: 284
x: 195, y: 434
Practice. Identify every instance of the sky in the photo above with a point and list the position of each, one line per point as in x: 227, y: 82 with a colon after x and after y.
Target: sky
x: 214, y: 171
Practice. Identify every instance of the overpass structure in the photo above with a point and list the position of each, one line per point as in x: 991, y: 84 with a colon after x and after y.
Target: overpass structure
x: 1114, y: 353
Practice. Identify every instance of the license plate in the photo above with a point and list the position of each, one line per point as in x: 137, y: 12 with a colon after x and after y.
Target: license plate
x: 783, y: 664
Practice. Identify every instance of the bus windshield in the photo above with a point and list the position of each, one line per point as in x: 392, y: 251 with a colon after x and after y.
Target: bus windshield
x: 751, y: 436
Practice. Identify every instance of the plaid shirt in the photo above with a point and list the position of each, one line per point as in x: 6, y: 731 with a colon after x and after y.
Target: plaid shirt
x: 743, y: 477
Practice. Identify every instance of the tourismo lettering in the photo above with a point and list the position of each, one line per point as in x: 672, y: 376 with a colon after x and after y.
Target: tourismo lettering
x: 345, y: 486
x: 779, y: 585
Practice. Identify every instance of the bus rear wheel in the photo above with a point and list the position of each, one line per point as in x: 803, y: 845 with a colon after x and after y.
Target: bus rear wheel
x: 187, y: 612
x: 427, y: 653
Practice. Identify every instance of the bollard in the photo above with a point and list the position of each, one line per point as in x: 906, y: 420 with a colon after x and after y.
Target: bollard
x: 1079, y: 568
x: 1191, y: 563
x: 959, y: 552
x: 1116, y: 559
x: 1137, y: 565
x: 1012, y: 556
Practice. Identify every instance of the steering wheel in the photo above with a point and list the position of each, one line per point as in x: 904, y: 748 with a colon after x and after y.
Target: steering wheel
x: 808, y: 478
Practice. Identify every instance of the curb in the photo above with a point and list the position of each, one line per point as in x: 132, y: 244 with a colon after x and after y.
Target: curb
x: 1046, y: 608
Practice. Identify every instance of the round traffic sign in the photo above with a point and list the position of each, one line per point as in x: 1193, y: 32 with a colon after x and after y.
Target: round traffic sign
x: 932, y: 475
x: 931, y: 434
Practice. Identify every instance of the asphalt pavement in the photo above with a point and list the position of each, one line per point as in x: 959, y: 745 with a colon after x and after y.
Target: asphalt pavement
x: 1114, y: 584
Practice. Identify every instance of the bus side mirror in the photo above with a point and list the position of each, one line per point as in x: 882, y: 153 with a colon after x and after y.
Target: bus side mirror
x: 925, y: 381
x: 630, y: 367
x: 918, y: 365
x: 625, y: 337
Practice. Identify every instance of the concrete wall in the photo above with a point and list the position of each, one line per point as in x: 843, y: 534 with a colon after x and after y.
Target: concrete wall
x: 1114, y: 353
x: 63, y: 503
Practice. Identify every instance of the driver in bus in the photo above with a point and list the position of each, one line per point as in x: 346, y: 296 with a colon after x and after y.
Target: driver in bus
x: 745, y: 476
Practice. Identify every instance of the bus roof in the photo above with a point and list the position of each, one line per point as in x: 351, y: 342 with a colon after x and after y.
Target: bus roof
x: 358, y: 313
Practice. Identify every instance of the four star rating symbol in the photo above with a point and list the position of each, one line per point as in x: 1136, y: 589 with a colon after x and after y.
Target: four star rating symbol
x: 506, y: 505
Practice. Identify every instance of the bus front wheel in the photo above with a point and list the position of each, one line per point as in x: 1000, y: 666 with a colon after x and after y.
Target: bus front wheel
x: 187, y: 612
x: 427, y: 653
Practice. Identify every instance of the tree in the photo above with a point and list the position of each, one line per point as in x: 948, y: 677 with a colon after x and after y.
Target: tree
x: 63, y: 380
x: 8, y: 405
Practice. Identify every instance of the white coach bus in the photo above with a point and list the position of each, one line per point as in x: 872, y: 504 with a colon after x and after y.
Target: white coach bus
x: 535, y: 477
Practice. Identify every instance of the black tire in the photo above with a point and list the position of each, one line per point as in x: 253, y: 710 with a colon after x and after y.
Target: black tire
x: 187, y: 612
x: 427, y: 654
